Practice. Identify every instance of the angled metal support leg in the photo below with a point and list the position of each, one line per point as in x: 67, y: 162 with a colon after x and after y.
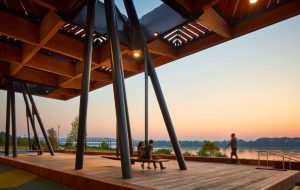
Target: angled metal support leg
x: 31, y: 119
x: 118, y: 78
x: 39, y: 120
x: 85, y: 83
x: 28, y: 130
x: 157, y: 88
x: 166, y: 115
x: 7, y: 131
x: 13, y: 121
x: 128, y: 122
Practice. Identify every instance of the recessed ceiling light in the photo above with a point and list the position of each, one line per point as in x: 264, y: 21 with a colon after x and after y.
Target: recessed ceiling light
x: 136, y: 53
x: 155, y: 34
x: 252, y: 1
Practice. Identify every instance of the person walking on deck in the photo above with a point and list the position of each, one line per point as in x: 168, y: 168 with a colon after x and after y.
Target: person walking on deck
x: 233, y: 145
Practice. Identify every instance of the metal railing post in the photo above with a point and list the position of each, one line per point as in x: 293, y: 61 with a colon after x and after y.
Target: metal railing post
x: 258, y: 155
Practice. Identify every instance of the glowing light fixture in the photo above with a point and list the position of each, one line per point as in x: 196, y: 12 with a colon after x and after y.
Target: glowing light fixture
x: 252, y: 1
x: 136, y: 53
x: 155, y: 34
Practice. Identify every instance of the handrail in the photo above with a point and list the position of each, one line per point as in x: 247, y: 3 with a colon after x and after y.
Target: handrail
x: 284, y: 156
x: 287, y: 153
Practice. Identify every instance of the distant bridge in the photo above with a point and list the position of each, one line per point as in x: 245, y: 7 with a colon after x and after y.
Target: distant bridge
x: 97, y: 139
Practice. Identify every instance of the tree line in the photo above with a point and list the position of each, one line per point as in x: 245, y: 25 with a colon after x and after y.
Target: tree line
x: 283, y: 142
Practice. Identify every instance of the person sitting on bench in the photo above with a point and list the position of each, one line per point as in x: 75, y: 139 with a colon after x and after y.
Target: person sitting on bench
x: 148, y: 154
x: 141, y: 151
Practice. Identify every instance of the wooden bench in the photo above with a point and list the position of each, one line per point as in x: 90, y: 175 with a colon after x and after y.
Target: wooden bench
x: 135, y: 159
x: 39, y: 152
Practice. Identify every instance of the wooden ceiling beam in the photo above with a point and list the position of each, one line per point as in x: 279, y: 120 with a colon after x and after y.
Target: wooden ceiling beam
x: 65, y: 91
x: 70, y: 47
x: 65, y: 5
x: 4, y: 69
x: 162, y: 48
x: 10, y: 53
x: 74, y: 84
x: 36, y: 76
x: 60, y: 43
x: 18, y: 28
x: 212, y: 20
x: 100, y: 77
x: 281, y: 13
x: 52, y: 65
x: 48, y: 27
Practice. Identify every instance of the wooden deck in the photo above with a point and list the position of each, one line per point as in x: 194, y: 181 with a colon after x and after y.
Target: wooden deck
x: 107, y: 173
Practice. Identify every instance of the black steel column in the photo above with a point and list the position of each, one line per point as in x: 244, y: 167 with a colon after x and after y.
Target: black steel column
x: 128, y: 122
x: 28, y: 130
x: 146, y: 102
x: 36, y: 112
x: 118, y: 78
x: 117, y: 141
x: 7, y: 131
x: 85, y: 82
x: 166, y: 115
x: 13, y: 121
x: 158, y: 91
x: 31, y: 119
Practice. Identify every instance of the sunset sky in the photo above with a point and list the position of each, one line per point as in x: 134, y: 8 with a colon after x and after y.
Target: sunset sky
x: 249, y: 85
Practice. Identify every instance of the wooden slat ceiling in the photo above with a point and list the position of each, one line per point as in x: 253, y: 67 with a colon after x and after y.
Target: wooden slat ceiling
x: 38, y: 47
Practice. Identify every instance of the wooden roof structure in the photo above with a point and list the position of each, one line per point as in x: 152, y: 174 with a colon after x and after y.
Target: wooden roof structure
x: 40, y: 46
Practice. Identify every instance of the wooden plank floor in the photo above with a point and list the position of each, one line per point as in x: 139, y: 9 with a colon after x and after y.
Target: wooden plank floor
x: 200, y: 175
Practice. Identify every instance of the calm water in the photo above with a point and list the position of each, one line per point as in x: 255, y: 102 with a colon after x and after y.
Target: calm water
x: 242, y: 152
x: 253, y: 153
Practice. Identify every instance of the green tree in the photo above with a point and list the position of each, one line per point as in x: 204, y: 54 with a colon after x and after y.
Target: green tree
x: 104, y: 145
x: 72, y: 136
x: 52, y: 135
x: 210, y: 149
x: 2, y: 140
x: 187, y: 153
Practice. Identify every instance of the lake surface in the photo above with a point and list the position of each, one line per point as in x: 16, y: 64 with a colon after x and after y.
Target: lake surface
x: 248, y: 153
x: 252, y: 153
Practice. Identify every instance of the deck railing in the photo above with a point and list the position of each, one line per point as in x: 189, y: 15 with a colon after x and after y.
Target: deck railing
x: 286, y: 157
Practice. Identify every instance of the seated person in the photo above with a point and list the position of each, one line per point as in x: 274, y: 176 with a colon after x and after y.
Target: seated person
x: 140, y: 150
x: 148, y: 154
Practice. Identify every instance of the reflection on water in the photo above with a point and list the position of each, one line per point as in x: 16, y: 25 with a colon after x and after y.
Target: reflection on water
x: 253, y: 153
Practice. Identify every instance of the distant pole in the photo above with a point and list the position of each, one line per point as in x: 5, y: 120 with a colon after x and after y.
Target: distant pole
x: 57, y: 136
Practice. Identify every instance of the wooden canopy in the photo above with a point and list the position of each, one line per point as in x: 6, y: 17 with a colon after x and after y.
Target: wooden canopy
x: 40, y: 47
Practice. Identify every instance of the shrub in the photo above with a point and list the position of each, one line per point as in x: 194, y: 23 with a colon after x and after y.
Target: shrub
x: 104, y: 145
x: 210, y: 149
x: 220, y: 155
x: 163, y: 151
x: 187, y: 153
